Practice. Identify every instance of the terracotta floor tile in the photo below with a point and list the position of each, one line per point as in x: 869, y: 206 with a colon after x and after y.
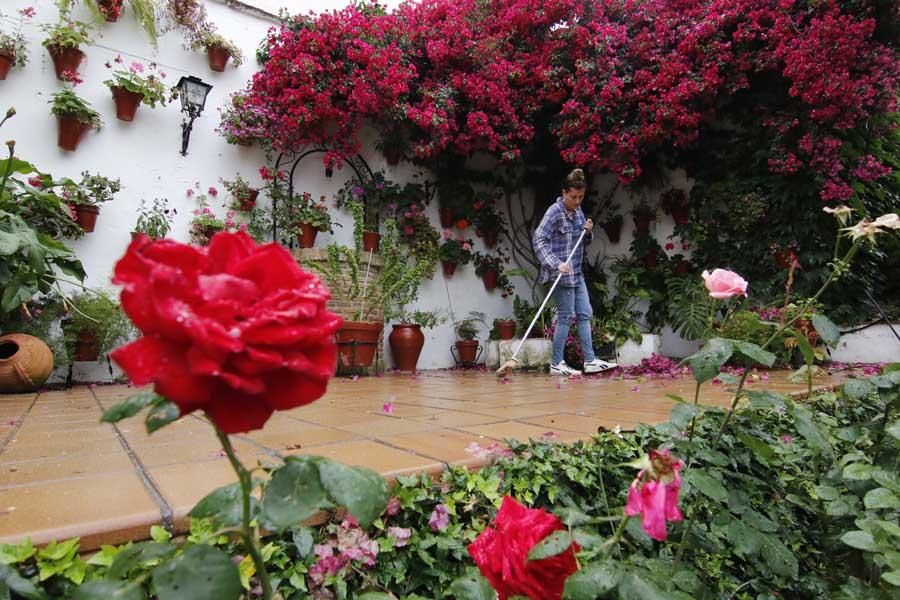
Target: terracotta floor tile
x: 391, y: 462
x: 85, y: 464
x: 331, y: 416
x: 452, y: 418
x: 379, y: 426
x: 512, y: 430
x: 190, y: 452
x: 304, y: 436
x: 513, y: 412
x: 586, y: 424
x: 183, y: 485
x: 444, y: 445
x: 49, y: 445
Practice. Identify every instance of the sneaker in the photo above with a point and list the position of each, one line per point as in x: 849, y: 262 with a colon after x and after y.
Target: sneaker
x: 598, y: 366
x: 563, y: 369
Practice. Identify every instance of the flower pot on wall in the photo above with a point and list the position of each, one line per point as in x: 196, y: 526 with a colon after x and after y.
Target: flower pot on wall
x: 25, y: 363
x: 506, y: 329
x: 7, y: 59
x: 246, y: 203
x: 642, y: 223
x: 111, y: 9
x: 490, y: 278
x: 370, y: 241
x: 357, y: 342
x: 307, y: 235
x: 86, y: 216
x: 682, y: 267
x: 218, y: 57
x: 127, y: 103
x: 613, y: 231
x: 490, y: 238
x: 446, y: 215
x: 65, y: 58
x: 407, y: 341
x: 449, y: 268
x: 70, y: 132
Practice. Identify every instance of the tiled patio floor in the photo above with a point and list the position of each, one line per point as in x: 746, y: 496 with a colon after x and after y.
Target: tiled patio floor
x: 64, y: 474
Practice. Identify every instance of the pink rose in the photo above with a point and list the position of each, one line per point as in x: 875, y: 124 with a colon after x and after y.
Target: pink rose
x: 723, y: 284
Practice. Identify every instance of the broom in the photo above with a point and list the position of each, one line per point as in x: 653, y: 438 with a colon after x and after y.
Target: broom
x: 513, y: 362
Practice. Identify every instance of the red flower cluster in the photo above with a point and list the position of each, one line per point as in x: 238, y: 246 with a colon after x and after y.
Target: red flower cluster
x: 234, y: 329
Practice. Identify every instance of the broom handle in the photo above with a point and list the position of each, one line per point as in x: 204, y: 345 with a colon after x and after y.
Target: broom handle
x: 547, y: 298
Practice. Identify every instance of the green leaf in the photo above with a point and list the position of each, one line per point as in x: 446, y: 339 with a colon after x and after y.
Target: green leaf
x: 889, y: 527
x: 894, y: 430
x: 9, y: 243
x: 472, y: 587
x: 892, y: 577
x: 16, y: 553
x: 159, y: 534
x: 765, y: 400
x: 293, y: 494
x: 763, y: 451
x: 162, y: 413
x: 747, y: 540
x: 808, y: 429
x: 110, y: 590
x: 706, y: 484
x: 779, y: 557
x: 18, y: 584
x: 634, y: 587
x: 362, y: 491
x: 303, y: 540
x: 881, y: 498
x: 858, y: 388
x: 130, y: 407
x: 572, y: 517
x: 593, y: 581
x: 826, y: 492
x: 682, y: 414
x: 827, y: 330
x: 223, y: 505
x: 858, y: 471
x: 862, y: 540
x: 553, y: 545
x: 129, y: 558
x: 754, y: 353
x: 375, y: 596
x: 888, y: 479
x: 201, y: 573
x: 587, y: 540
x: 706, y: 363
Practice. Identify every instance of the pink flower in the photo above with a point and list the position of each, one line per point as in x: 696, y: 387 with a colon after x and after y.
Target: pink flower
x: 723, y: 284
x: 447, y: 234
x: 408, y: 230
x: 670, y: 246
x: 439, y: 519
x: 401, y: 535
x: 27, y: 12
x: 162, y: 74
x: 393, y: 506
x: 654, y: 493
x: 35, y: 182
x: 787, y: 439
x: 212, y: 192
x: 189, y: 193
x: 467, y: 246
x: 136, y: 67
x: 387, y: 408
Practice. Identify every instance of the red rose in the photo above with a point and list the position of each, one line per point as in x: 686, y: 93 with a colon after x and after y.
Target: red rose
x: 501, y: 553
x: 235, y: 329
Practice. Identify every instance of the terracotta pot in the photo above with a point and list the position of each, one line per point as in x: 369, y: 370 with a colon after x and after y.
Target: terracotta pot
x: 650, y: 260
x: 7, y: 59
x: 537, y: 332
x: 126, y: 103
x: 247, y: 202
x: 613, y: 231
x: 370, y: 241
x: 446, y: 218
x: 218, y: 57
x: 86, y: 216
x: 785, y: 257
x: 468, y: 350
x: 357, y: 342
x: 642, y: 223
x: 87, y: 346
x: 111, y: 9
x: 805, y: 327
x: 70, y: 132
x: 680, y: 215
x: 682, y: 267
x: 243, y: 142
x: 407, y: 341
x: 65, y: 58
x: 490, y: 238
x: 449, y: 268
x: 307, y: 235
x: 490, y: 278
x: 506, y: 329
x: 392, y: 156
x: 25, y: 363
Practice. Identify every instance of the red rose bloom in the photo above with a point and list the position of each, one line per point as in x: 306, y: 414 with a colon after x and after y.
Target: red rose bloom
x: 501, y: 552
x: 235, y: 329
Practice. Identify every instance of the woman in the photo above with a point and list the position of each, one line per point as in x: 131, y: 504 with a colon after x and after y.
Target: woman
x: 553, y: 241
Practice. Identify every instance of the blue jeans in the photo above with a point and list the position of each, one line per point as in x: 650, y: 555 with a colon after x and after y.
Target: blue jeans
x: 573, y: 302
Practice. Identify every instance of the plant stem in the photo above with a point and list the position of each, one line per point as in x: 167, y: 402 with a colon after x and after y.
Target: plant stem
x: 614, y: 542
x: 249, y: 535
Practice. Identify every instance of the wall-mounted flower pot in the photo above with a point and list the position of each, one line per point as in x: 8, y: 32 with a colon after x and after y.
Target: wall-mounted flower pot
x: 248, y: 202
x: 370, y: 241
x: 65, y: 58
x: 680, y: 215
x: 71, y: 130
x: 111, y: 9
x: 642, y: 223
x: 506, y: 329
x: 446, y: 215
x: 449, y: 268
x: 650, y: 260
x: 7, y: 60
x: 490, y: 278
x: 86, y: 216
x: 407, y: 341
x: 127, y: 103
x: 87, y: 346
x: 25, y: 363
x: 682, y: 267
x: 392, y: 156
x: 613, y: 231
x: 218, y: 57
x: 357, y: 342
x: 489, y: 237
x: 306, y: 235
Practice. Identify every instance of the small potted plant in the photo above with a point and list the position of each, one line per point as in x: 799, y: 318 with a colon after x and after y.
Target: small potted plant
x: 643, y: 215
x: 505, y: 328
x: 467, y: 346
x: 487, y: 220
x: 130, y: 88
x: 490, y: 268
x: 241, y: 122
x: 156, y: 221
x: 96, y: 324
x: 675, y: 202
x: 12, y: 45
x: 453, y: 253
x: 205, y: 224
x: 63, y: 43
x: 87, y: 196
x: 111, y: 9
x: 613, y: 227
x: 243, y: 196
x: 73, y: 114
x: 218, y: 50
x: 373, y: 195
x: 312, y: 217
x: 454, y: 193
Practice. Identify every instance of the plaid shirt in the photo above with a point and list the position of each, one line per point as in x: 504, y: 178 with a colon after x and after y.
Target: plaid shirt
x: 553, y: 240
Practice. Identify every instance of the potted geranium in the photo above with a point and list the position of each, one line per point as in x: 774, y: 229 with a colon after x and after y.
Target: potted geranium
x: 453, y: 253
x: 312, y: 217
x: 155, y: 222
x: 487, y: 220
x: 467, y: 346
x: 241, y: 122
x: 643, y: 214
x: 205, y: 223
x: 242, y: 195
x: 12, y: 45
x: 63, y: 43
x: 130, y: 88
x: 87, y: 196
x: 74, y: 115
x: 490, y: 268
x: 218, y: 50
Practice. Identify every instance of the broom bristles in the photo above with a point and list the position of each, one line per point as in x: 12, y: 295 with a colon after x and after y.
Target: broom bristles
x: 507, y: 367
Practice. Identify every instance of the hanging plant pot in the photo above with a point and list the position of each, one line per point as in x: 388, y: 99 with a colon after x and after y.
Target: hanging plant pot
x: 87, y: 346
x: 127, y: 103
x: 392, y: 156
x: 370, y: 241
x: 65, y: 58
x: 25, y: 363
x: 642, y: 224
x: 467, y: 351
x: 71, y: 130
x: 650, y: 260
x: 307, y: 235
x: 7, y: 60
x: 489, y: 237
x: 449, y: 268
x: 613, y: 231
x: 682, y: 267
x: 111, y: 9
x: 490, y: 278
x: 407, y: 341
x: 248, y: 202
x: 680, y: 215
x: 446, y: 217
x: 86, y: 216
x: 357, y: 342
x: 218, y: 57
x: 506, y: 329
